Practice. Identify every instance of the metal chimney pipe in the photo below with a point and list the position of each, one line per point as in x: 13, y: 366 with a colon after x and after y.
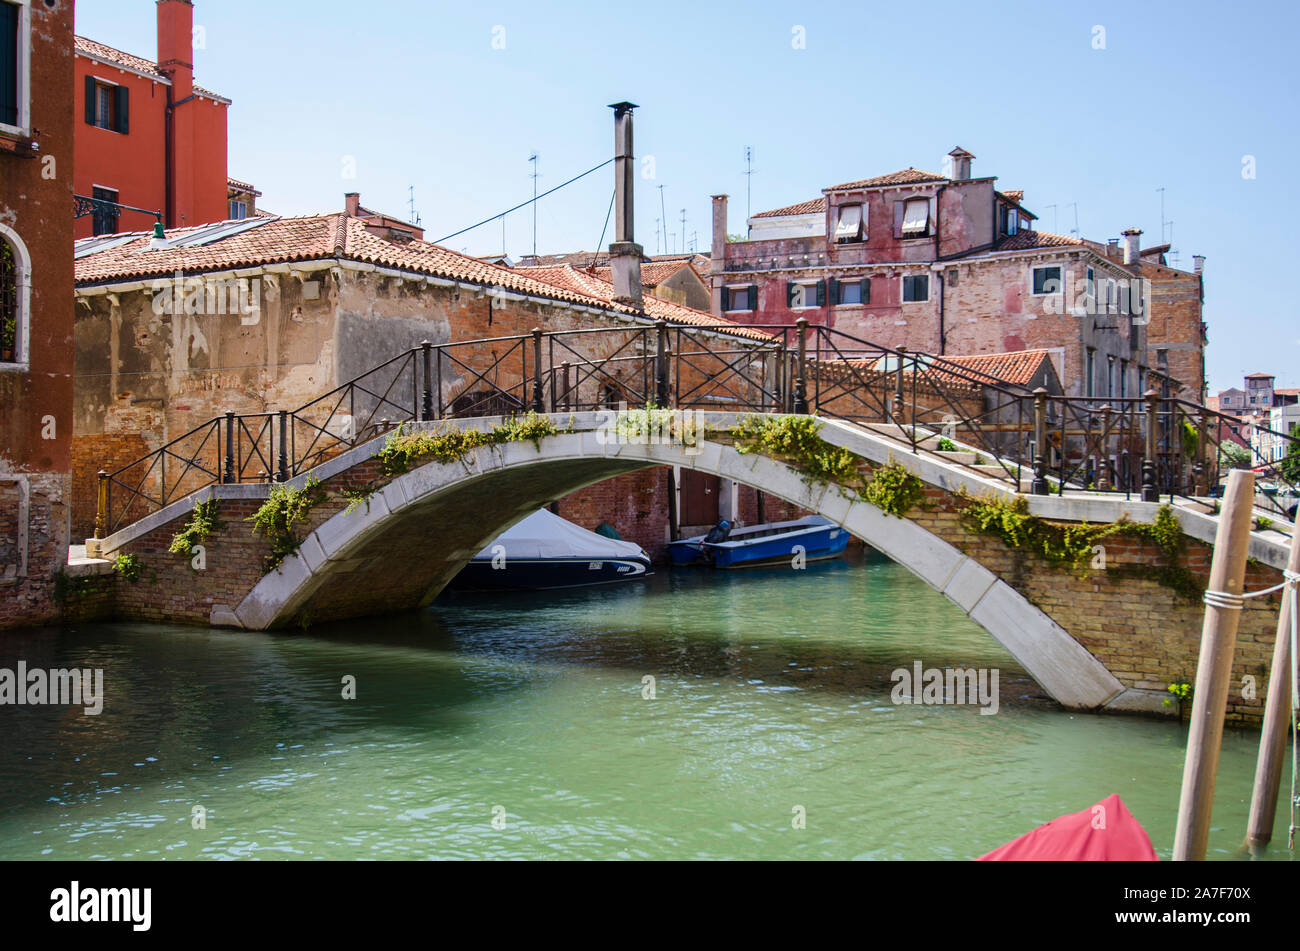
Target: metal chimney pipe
x: 624, y: 254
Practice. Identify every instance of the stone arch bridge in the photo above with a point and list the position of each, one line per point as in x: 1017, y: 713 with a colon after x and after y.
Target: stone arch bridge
x: 1109, y: 640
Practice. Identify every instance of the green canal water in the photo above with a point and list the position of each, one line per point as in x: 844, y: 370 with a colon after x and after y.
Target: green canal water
x: 516, y: 726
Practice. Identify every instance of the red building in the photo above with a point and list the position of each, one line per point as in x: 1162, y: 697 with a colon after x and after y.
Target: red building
x: 147, y: 137
x: 36, y: 304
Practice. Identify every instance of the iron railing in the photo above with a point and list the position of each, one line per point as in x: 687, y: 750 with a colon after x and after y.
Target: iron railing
x: 1149, y: 446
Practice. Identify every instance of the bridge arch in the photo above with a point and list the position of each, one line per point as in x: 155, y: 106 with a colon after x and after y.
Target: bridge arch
x: 419, y: 530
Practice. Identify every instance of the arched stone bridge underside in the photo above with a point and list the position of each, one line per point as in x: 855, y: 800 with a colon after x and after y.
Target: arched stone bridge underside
x: 422, y: 528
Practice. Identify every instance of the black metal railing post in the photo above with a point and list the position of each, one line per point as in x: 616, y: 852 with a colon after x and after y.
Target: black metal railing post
x: 426, y: 401
x: 1039, y: 485
x: 1104, y: 482
x: 228, y: 471
x: 801, y: 370
x: 661, y: 362
x: 898, y: 389
x: 539, y: 396
x: 283, y: 463
x: 1150, y: 490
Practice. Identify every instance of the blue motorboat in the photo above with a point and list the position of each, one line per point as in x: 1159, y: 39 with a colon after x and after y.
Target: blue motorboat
x: 546, y: 551
x: 813, y: 536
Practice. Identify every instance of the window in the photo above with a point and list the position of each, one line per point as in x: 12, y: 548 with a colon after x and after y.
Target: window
x: 238, y: 210
x: 851, y: 225
x: 851, y: 292
x: 916, y: 287
x: 742, y: 297
x: 1010, y: 220
x: 15, y: 25
x: 1090, y: 290
x: 1123, y: 378
x: 1047, y: 280
x: 107, y: 105
x: 1089, y: 373
x: 1110, y: 376
x: 14, y: 293
x: 105, y: 219
x: 915, y: 217
x: 801, y: 295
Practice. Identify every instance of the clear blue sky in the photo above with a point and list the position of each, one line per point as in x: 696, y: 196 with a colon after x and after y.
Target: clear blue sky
x: 417, y: 93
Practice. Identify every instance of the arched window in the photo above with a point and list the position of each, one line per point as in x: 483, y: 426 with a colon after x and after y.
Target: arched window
x: 15, y: 281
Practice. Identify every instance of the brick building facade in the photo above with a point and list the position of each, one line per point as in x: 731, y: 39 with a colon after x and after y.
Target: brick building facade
x: 36, y: 176
x: 949, y: 264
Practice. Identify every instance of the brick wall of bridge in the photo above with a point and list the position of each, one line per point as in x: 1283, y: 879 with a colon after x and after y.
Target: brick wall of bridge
x: 1146, y: 634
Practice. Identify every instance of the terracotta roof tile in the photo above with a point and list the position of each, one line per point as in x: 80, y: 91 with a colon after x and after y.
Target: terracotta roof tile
x: 585, y: 282
x: 653, y: 273
x: 906, y: 176
x: 239, y: 186
x: 1028, y: 240
x: 325, y: 237
x: 802, y: 208
x: 88, y: 47
x: 1018, y: 367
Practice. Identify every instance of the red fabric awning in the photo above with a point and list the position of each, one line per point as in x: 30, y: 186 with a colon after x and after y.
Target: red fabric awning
x: 1106, y: 832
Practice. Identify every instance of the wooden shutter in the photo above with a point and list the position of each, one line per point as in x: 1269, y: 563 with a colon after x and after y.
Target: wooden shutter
x: 753, y: 297
x: 866, y: 290
x: 90, y: 100
x: 833, y: 287
x: 791, y: 289
x: 898, y: 218
x: 821, y: 293
x: 123, y: 108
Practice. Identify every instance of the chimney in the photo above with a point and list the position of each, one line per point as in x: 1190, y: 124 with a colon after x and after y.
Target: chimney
x: 176, y: 46
x: 1132, y: 245
x: 961, y: 160
x: 352, y: 204
x: 624, y: 254
x: 719, y: 250
x: 1198, y: 263
x: 1112, y: 247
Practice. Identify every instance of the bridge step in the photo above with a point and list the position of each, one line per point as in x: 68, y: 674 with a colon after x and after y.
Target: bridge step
x: 959, y: 457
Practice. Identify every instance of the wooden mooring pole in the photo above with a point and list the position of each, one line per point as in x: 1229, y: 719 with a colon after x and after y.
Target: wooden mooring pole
x: 1214, y: 668
x: 1277, y: 721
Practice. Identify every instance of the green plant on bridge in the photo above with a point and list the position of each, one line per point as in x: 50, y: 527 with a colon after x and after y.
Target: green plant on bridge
x: 1289, y: 467
x: 894, y: 489
x: 796, y: 440
x: 1072, y: 547
x: 405, y: 450
x: 129, y: 567
x: 947, y: 445
x: 203, y: 522
x: 284, y: 508
x: 658, y: 426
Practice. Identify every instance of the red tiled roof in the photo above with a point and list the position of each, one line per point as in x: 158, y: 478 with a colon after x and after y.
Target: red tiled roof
x: 907, y: 176
x: 239, y: 186
x: 802, y: 208
x: 1019, y: 367
x: 87, y: 47
x: 653, y: 273
x: 1028, y: 240
x: 1016, y: 194
x: 325, y: 237
x: 585, y: 282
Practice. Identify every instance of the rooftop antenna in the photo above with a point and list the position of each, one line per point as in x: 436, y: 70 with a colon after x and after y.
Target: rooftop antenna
x: 665, y: 216
x: 683, y: 229
x: 749, y: 180
x: 1075, y: 206
x: 1163, y: 223
x: 414, y: 218
x: 533, y: 158
x: 657, y: 236
x: 1053, y: 207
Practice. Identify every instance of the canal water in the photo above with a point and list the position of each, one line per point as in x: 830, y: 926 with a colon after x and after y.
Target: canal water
x: 524, y: 727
